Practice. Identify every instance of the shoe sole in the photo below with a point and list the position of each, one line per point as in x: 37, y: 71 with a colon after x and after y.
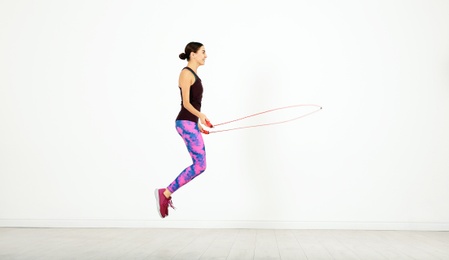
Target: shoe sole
x: 156, y: 194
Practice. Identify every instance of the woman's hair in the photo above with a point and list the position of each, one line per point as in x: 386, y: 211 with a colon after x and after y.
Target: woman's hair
x: 190, y: 47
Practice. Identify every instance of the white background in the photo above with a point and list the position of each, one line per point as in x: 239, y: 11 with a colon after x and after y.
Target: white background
x: 88, y: 99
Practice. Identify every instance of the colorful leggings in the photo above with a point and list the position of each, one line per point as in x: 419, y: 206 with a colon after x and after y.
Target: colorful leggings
x: 190, y: 132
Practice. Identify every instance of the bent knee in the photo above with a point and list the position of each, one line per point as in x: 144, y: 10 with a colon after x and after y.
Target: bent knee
x: 200, y: 167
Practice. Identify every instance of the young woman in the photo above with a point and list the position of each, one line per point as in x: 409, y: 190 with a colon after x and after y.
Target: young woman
x: 187, y: 123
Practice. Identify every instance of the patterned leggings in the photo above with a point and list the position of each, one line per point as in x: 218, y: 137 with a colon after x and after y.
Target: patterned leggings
x: 191, y: 135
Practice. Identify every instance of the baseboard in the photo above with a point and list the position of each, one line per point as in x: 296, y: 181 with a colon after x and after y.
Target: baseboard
x: 166, y: 223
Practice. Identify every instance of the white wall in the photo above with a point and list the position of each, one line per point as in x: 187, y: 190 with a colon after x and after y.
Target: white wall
x: 88, y: 98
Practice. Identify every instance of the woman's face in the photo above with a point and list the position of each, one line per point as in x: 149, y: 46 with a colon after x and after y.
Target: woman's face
x: 200, y: 55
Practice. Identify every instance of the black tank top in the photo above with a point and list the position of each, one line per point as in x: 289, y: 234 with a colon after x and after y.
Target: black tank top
x: 196, y: 95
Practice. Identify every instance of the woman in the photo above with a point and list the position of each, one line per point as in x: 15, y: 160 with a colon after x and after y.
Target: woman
x: 187, y: 123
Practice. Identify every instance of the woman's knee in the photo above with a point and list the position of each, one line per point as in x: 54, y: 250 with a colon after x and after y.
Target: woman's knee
x: 200, y: 167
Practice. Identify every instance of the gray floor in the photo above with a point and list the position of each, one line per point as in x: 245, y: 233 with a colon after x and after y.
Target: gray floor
x: 54, y: 243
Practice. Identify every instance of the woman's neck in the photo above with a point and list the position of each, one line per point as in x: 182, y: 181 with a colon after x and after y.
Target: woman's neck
x: 193, y: 65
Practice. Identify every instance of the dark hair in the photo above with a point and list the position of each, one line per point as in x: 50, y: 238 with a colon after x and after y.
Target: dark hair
x: 190, y: 47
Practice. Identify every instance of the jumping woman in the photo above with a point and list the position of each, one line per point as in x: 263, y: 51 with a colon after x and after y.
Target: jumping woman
x: 187, y: 124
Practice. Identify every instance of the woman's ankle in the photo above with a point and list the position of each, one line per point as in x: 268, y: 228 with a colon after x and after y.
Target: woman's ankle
x: 167, y: 193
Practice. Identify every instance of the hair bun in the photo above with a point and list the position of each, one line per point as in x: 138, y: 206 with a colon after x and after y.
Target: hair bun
x: 182, y: 56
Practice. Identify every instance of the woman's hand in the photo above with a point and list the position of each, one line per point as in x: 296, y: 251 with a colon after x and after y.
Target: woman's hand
x: 202, y: 129
x: 204, y: 120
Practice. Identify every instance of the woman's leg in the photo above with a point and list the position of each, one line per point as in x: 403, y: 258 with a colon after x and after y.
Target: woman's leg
x: 193, y: 139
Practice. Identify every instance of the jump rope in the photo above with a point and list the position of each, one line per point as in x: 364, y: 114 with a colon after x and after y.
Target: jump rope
x: 208, y: 124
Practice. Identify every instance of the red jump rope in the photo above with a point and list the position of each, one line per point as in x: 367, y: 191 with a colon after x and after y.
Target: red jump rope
x: 208, y: 124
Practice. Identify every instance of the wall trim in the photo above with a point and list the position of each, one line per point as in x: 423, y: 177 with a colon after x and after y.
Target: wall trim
x: 165, y: 223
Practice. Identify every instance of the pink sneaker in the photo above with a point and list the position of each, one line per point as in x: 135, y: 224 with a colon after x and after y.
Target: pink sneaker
x: 162, y: 203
